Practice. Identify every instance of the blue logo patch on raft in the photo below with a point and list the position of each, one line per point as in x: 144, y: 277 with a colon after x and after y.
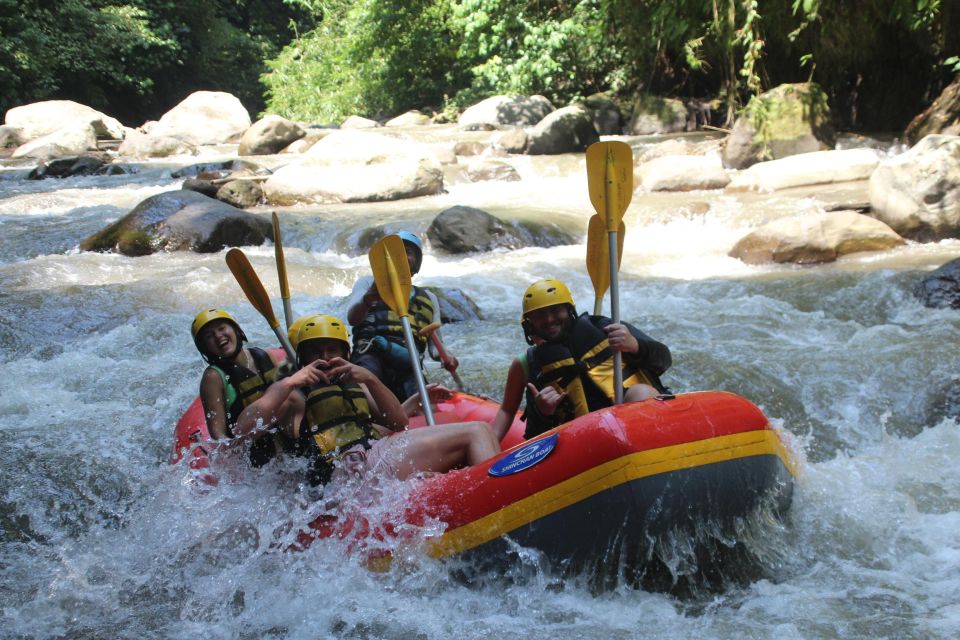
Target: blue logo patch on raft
x: 524, y: 457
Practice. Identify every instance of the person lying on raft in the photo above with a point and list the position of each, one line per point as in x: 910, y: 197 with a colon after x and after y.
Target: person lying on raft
x: 568, y: 370
x: 236, y: 376
x: 339, y: 411
x: 378, y: 341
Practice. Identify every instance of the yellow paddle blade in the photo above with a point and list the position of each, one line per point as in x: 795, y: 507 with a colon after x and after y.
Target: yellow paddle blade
x: 250, y: 283
x: 281, y: 263
x: 391, y: 272
x: 610, y: 180
x: 598, y: 253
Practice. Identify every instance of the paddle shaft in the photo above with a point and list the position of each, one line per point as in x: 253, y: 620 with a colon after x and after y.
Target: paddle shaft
x: 282, y: 271
x: 415, y: 366
x: 615, y: 316
x: 613, y: 214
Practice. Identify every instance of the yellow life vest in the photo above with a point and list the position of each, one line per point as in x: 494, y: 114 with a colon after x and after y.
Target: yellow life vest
x: 382, y: 321
x: 336, y: 417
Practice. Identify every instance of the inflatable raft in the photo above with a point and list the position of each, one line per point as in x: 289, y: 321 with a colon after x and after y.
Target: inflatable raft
x: 595, y: 495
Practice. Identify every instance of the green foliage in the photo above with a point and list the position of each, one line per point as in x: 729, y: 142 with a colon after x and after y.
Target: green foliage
x: 136, y: 58
x: 515, y: 47
x: 371, y: 57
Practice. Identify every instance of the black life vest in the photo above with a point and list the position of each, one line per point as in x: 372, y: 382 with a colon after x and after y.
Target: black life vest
x: 336, y: 418
x: 243, y: 386
x: 382, y: 321
x: 582, y: 366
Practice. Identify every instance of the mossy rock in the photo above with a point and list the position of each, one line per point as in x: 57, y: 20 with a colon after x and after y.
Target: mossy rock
x: 180, y: 221
x: 787, y: 120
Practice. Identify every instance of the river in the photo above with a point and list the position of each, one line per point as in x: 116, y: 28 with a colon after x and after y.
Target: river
x: 100, y: 537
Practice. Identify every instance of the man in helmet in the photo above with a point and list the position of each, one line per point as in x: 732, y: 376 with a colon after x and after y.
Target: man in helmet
x: 568, y: 370
x: 378, y: 340
x: 235, y: 378
x: 338, y: 412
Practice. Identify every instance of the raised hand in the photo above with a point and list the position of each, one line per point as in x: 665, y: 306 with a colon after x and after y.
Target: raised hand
x: 547, y: 399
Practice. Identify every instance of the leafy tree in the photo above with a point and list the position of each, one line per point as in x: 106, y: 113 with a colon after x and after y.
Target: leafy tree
x: 371, y: 57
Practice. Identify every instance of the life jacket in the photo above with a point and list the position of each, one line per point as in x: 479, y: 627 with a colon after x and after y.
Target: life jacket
x: 243, y: 386
x: 382, y: 321
x: 582, y: 367
x: 337, y: 417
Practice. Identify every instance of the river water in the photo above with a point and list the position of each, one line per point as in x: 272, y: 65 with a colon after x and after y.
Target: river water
x: 101, y: 537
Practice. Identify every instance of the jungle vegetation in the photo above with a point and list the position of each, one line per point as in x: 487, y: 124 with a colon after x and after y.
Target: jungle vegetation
x: 879, y: 61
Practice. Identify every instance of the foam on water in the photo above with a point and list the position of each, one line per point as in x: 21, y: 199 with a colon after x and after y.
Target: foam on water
x: 101, y: 537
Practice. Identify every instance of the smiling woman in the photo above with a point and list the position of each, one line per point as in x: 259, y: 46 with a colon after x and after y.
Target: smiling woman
x: 237, y: 375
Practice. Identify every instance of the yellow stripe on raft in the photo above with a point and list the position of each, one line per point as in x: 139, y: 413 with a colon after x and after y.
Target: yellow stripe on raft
x: 606, y: 476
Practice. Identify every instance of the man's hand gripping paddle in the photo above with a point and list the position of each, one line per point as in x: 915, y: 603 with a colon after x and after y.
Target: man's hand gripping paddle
x: 282, y: 271
x: 250, y: 283
x: 610, y: 181
x: 430, y: 331
x: 391, y: 272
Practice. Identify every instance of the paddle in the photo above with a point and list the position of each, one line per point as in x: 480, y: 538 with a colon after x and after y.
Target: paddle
x: 598, y: 261
x: 610, y: 182
x: 250, y: 283
x: 431, y: 331
x: 391, y: 272
x: 282, y: 271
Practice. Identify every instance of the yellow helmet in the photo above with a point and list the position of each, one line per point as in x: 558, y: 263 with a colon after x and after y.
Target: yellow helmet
x: 322, y: 326
x: 293, y: 333
x: 545, y: 293
x: 206, y: 317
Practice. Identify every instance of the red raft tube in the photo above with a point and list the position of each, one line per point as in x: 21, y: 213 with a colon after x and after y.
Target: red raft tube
x: 594, y: 495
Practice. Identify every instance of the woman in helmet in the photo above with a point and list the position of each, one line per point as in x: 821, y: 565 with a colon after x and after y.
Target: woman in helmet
x: 236, y: 376
x: 339, y: 411
x: 568, y: 370
x: 378, y: 340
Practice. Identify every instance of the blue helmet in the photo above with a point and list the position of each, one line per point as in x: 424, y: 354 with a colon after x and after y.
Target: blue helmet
x: 414, y: 240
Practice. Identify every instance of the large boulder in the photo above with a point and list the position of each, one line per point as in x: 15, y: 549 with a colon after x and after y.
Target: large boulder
x: 42, y: 118
x: 358, y: 166
x: 510, y: 141
x: 455, y: 305
x: 941, y: 117
x: 519, y: 111
x: 482, y: 169
x: 11, y: 137
x: 681, y: 173
x: 412, y: 118
x: 269, y: 135
x: 817, y: 167
x: 789, y: 119
x: 141, y: 145
x: 607, y: 119
x: 85, y: 165
x: 654, y: 115
x: 179, y: 221
x: 72, y: 139
x: 359, y: 122
x: 941, y: 288
x: 566, y: 130
x: 205, y: 117
x: 918, y: 192
x: 811, y: 239
x: 462, y: 229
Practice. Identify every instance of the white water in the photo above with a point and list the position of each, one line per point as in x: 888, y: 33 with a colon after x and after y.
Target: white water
x: 100, y: 537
